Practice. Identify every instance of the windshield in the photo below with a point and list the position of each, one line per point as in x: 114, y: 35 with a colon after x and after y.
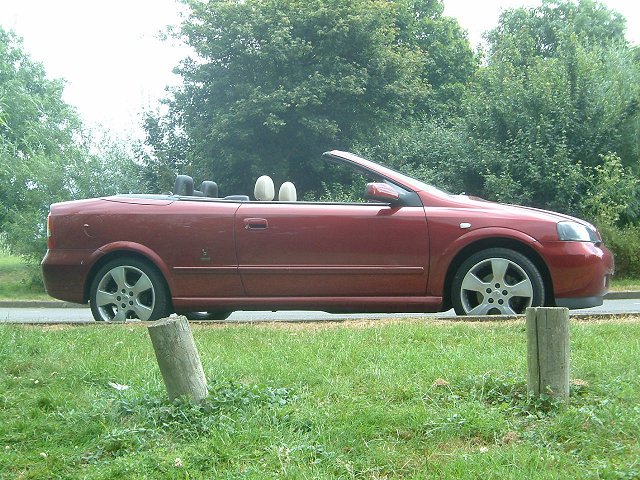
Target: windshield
x: 393, y: 175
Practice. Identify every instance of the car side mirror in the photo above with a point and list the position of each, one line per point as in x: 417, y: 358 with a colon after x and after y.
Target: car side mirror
x: 381, y: 192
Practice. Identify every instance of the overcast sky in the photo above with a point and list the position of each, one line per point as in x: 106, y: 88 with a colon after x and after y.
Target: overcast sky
x: 115, y: 64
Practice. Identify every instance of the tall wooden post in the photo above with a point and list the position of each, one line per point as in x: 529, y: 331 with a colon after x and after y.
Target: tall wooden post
x: 178, y: 358
x: 548, y: 351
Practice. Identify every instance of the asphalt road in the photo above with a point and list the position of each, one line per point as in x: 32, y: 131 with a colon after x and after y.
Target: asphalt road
x: 83, y: 315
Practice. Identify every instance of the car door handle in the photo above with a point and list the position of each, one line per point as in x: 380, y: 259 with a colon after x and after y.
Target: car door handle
x: 255, y: 223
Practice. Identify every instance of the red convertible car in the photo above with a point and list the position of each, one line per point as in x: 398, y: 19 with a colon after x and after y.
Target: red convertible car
x: 404, y: 246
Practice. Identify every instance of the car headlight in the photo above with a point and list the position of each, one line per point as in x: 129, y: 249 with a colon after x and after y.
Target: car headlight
x: 576, y: 232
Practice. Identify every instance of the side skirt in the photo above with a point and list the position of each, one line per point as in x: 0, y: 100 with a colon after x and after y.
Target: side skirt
x: 326, y: 304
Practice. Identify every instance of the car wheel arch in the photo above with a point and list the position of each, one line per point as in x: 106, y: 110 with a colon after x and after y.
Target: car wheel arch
x: 497, y: 242
x: 120, y: 254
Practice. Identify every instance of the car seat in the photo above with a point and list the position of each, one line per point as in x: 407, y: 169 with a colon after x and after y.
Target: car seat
x: 183, y: 186
x: 287, y: 192
x: 209, y: 189
x: 264, y: 190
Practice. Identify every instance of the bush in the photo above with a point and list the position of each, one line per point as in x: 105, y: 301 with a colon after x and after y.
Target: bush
x: 625, y: 244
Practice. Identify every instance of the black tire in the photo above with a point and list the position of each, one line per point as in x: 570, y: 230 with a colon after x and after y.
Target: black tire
x: 128, y: 288
x: 213, y: 315
x: 497, y: 281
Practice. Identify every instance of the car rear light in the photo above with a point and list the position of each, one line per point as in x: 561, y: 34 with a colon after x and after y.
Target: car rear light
x: 50, y: 240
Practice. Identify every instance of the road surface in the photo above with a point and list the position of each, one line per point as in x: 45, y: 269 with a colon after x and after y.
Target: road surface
x: 83, y: 315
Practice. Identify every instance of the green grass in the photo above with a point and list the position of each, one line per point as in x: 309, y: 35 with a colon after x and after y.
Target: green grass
x: 362, y: 400
x: 20, y: 280
x: 625, y: 284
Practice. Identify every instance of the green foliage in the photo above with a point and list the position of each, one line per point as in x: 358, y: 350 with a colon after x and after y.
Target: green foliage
x: 551, y: 138
x: 449, y: 62
x: 36, y: 127
x: 611, y: 189
x: 625, y: 243
x: 349, y: 185
x: 335, y: 192
x: 556, y: 99
x: 524, y: 34
x: 550, y: 120
x: 273, y: 84
x: 45, y: 156
x: 437, y: 153
x: 584, y: 101
x: 508, y: 392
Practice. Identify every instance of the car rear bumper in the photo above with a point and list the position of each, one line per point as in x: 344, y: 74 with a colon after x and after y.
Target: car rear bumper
x: 64, y: 273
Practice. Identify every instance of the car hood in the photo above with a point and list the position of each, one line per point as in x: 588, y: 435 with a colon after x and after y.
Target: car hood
x: 516, y: 211
x: 537, y: 223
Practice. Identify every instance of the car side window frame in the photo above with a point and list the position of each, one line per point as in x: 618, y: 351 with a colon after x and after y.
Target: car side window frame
x: 407, y: 197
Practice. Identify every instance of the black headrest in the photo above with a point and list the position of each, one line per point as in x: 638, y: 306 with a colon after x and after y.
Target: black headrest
x: 183, y: 185
x: 209, y: 189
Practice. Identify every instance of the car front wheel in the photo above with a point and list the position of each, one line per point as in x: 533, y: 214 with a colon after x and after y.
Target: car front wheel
x: 128, y: 288
x: 497, y: 281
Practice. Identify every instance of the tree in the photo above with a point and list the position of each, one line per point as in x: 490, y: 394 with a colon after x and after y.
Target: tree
x: 44, y: 151
x: 274, y: 83
x: 559, y: 94
x: 555, y: 101
x: 449, y: 60
x: 524, y: 34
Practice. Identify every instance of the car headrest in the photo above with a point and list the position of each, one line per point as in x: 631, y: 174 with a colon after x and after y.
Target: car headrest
x: 264, y: 190
x: 209, y: 189
x: 287, y: 192
x: 183, y: 185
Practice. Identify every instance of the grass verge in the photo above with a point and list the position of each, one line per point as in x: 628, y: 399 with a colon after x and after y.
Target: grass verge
x: 20, y: 280
x: 367, y: 400
x: 625, y: 284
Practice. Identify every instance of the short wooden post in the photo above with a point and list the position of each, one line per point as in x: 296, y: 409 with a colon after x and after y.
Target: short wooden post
x: 178, y: 359
x: 548, y: 351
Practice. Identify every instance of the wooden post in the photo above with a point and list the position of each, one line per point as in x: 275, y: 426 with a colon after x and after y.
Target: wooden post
x: 178, y: 358
x: 548, y: 351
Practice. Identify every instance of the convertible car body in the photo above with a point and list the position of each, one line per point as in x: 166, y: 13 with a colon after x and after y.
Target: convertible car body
x: 406, y: 247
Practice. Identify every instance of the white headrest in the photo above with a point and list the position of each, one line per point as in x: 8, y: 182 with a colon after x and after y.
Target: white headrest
x: 287, y: 192
x: 264, y: 191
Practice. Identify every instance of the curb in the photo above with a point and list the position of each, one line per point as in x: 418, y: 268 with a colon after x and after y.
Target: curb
x: 626, y: 295
x: 40, y: 304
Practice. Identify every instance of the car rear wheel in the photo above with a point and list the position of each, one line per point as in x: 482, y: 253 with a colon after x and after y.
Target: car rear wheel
x: 497, y: 281
x: 128, y: 288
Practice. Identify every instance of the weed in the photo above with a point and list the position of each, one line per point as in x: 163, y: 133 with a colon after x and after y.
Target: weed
x: 226, y: 403
x: 505, y: 390
x: 119, y: 442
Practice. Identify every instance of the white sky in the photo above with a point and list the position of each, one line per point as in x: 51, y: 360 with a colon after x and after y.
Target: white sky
x: 115, y: 65
x: 478, y: 16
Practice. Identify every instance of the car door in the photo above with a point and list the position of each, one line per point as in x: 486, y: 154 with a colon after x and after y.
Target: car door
x: 198, y: 244
x: 310, y: 249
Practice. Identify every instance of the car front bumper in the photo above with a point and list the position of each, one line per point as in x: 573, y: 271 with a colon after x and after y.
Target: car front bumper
x: 580, y: 272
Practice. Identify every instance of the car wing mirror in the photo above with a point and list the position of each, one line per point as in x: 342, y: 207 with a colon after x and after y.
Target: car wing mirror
x: 381, y: 192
